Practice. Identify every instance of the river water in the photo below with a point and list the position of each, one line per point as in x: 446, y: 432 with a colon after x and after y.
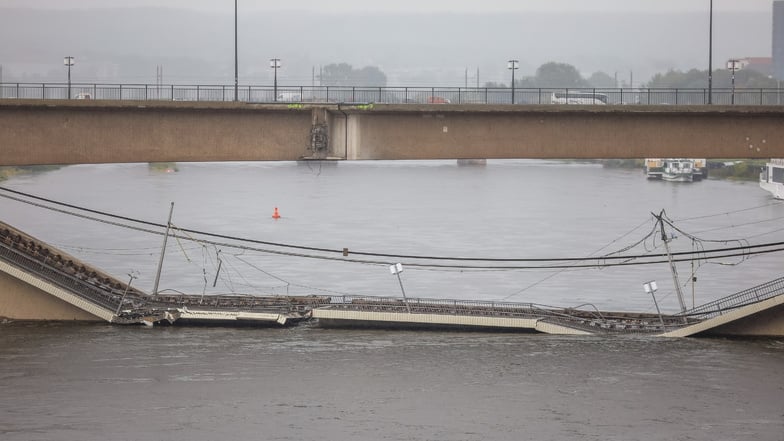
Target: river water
x: 62, y: 382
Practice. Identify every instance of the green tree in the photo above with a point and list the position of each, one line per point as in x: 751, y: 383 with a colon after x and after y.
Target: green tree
x: 337, y: 74
x: 343, y: 74
x: 722, y: 78
x: 696, y: 79
x: 602, y: 80
x: 744, y: 78
x: 371, y: 76
x: 554, y: 74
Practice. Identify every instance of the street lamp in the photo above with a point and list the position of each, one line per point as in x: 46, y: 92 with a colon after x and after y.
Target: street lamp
x: 275, y: 65
x: 396, y: 269
x: 650, y: 287
x: 710, y: 55
x: 132, y: 275
x: 733, y: 65
x: 236, y: 75
x: 513, y: 65
x: 69, y: 61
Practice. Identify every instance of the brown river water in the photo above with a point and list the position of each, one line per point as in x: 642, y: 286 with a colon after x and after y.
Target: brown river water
x: 98, y: 382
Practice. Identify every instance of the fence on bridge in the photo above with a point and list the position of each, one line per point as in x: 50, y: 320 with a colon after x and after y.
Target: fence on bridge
x: 387, y: 95
x: 591, y: 320
x: 749, y: 296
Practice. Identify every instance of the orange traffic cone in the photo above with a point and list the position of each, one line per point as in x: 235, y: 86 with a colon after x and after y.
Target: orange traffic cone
x: 276, y: 215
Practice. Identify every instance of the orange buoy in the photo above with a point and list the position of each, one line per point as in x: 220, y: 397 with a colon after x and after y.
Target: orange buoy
x: 276, y: 215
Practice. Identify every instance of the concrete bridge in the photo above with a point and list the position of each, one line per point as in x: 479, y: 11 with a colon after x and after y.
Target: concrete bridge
x: 41, y: 282
x: 37, y: 132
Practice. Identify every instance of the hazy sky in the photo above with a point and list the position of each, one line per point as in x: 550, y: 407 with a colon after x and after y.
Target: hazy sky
x: 360, y: 6
x: 415, y: 42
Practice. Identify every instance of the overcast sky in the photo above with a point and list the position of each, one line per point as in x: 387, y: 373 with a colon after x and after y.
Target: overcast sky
x: 360, y: 6
x: 407, y: 39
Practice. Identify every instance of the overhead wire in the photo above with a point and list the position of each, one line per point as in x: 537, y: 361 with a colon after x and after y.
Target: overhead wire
x: 626, y: 260
x: 740, y: 210
x: 550, y: 276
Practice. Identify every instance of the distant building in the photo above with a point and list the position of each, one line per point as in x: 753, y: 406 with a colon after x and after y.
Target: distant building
x: 778, y: 39
x: 763, y: 65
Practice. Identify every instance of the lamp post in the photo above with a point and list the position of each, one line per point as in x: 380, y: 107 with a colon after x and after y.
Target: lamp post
x: 69, y: 61
x: 710, y: 55
x: 275, y: 65
x: 733, y: 65
x: 513, y: 65
x: 650, y: 287
x: 133, y: 275
x: 236, y: 75
x: 396, y: 269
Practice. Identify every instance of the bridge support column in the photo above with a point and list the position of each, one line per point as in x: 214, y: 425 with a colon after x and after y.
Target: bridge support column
x: 345, y: 127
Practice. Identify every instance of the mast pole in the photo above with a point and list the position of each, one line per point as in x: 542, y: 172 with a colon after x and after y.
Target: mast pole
x: 163, y: 251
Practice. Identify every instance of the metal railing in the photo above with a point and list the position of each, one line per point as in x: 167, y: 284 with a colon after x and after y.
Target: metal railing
x: 740, y: 299
x: 588, y: 320
x: 392, y: 95
x: 74, y: 285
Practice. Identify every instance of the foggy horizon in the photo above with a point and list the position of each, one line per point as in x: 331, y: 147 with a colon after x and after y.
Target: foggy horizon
x: 196, y: 44
x: 410, y: 5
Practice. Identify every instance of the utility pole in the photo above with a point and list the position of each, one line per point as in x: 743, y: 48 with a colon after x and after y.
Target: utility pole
x: 69, y: 61
x: 158, y: 80
x: 513, y: 65
x: 163, y: 251
x: 275, y: 65
x: 674, y: 271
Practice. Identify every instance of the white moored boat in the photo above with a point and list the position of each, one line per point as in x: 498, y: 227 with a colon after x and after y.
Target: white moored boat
x: 655, y: 169
x: 678, y: 170
x: 772, y: 178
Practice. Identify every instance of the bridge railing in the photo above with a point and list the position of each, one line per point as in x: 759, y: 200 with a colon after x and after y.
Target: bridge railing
x: 746, y: 297
x: 81, y: 288
x: 390, y: 95
x: 586, y: 319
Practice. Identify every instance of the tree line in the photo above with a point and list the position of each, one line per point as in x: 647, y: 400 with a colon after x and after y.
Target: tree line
x: 561, y: 75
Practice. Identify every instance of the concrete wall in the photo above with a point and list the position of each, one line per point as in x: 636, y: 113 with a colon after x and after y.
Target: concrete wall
x: 80, y: 131
x: 21, y: 301
x: 38, y: 132
x: 566, y: 132
x: 768, y: 323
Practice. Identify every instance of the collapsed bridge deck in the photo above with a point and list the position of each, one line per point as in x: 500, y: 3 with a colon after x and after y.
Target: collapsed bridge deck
x: 47, y: 271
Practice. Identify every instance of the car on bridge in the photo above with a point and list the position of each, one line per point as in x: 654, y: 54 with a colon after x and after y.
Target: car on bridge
x: 437, y: 100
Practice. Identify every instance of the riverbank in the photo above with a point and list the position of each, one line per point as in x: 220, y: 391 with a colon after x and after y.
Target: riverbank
x: 736, y: 169
x: 8, y: 172
x: 732, y: 169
